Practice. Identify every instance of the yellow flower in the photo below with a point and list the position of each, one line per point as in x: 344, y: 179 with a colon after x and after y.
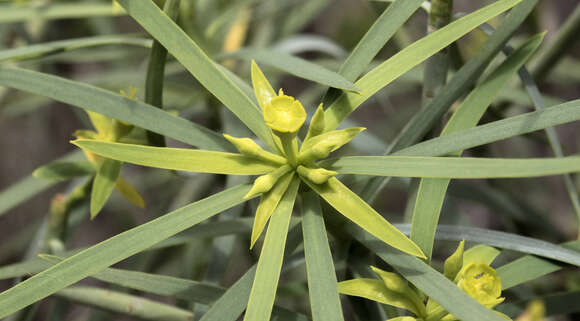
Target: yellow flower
x: 284, y: 114
x: 481, y: 282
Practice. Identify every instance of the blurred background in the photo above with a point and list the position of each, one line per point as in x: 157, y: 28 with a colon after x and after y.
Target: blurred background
x: 35, y: 130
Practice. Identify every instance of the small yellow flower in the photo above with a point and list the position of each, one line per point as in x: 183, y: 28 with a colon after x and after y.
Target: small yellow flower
x: 284, y: 114
x: 481, y: 282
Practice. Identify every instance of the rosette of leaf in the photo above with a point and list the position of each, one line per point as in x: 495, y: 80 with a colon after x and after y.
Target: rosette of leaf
x: 280, y: 170
x: 470, y: 270
x: 106, y: 171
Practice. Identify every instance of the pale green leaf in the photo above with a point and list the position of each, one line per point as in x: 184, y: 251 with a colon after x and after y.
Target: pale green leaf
x: 407, y: 58
x: 376, y: 290
x: 505, y: 241
x: 431, y: 192
x: 267, y: 275
x: 322, y: 285
x: 205, y: 70
x: 295, y: 66
x: 268, y: 203
x: 103, y: 184
x: 124, y: 303
x: 182, y: 159
x: 113, y: 105
x: 48, y: 48
x: 62, y: 171
x: 453, y: 167
x: 530, y: 267
x: 113, y: 250
x: 10, y: 13
x: 497, y: 130
x: 355, y: 209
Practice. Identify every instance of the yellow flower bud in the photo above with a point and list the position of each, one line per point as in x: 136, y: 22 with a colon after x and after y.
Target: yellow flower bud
x: 392, y: 281
x: 284, y: 114
x: 322, y: 145
x: 317, y: 176
x: 481, y: 282
x: 248, y: 147
x: 454, y: 263
x: 316, y: 124
x: 265, y: 182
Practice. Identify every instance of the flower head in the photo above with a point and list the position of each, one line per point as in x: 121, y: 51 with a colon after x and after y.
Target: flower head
x: 284, y: 114
x: 481, y: 282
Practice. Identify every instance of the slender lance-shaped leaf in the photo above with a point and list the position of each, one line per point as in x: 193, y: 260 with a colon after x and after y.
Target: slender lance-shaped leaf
x: 115, y: 249
x: 480, y: 253
x: 295, y: 66
x: 193, y: 160
x: 457, y: 86
x: 103, y: 184
x: 355, y: 209
x: 124, y: 303
x: 50, y: 48
x: 530, y: 267
x: 268, y: 204
x: 504, y: 240
x: 113, y: 105
x: 376, y: 290
x: 129, y: 192
x: 62, y: 171
x: 431, y: 192
x: 231, y: 305
x: 322, y: 286
x: 186, y: 51
x: 491, y: 132
x: 565, y: 303
x: 428, y: 280
x: 408, y: 58
x: 267, y: 275
x: 453, y: 167
x: 10, y: 13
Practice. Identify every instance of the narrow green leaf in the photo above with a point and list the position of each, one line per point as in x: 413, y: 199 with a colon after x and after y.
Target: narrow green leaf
x: 530, y: 267
x: 267, y: 275
x: 129, y: 192
x: 62, y: 171
x: 495, y: 131
x: 268, y: 203
x: 186, y: 51
x: 376, y: 290
x: 505, y: 241
x: 295, y: 66
x: 322, y: 285
x: 453, y: 167
x: 407, y: 58
x: 113, y: 105
x: 54, y: 47
x: 565, y: 303
x: 431, y: 192
x: 355, y: 209
x: 461, y: 82
x: 424, y: 277
x: 124, y: 304
x: 231, y: 305
x: 194, y: 160
x: 10, y: 13
x: 113, y: 250
x: 103, y: 184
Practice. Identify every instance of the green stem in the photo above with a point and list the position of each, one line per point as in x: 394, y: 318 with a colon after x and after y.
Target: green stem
x: 290, y: 146
x: 550, y: 54
x: 156, y: 72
